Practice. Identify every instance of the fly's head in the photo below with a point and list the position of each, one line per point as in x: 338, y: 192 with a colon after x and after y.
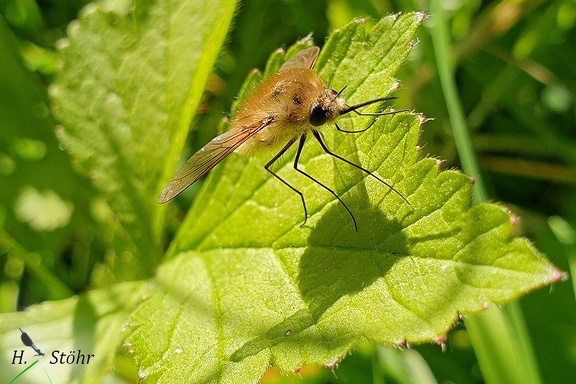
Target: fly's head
x: 326, y: 108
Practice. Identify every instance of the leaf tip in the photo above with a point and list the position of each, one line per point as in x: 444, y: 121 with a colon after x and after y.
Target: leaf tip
x: 514, y: 220
x: 441, y: 341
x: 128, y: 346
x: 332, y: 364
x: 401, y: 344
x: 420, y: 15
x: 142, y: 375
x: 307, y: 38
x: 62, y: 44
x: 59, y: 131
x: 423, y: 119
x: 73, y: 28
x: 53, y: 90
x: 557, y: 275
x: 126, y: 325
x: 88, y: 10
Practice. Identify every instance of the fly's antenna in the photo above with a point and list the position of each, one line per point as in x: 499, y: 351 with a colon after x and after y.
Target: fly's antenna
x: 355, y: 107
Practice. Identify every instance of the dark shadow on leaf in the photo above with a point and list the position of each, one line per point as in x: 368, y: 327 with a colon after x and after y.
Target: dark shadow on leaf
x: 339, y: 261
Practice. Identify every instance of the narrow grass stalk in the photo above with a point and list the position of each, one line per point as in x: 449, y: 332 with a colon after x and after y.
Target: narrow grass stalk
x: 30, y: 366
x: 499, y: 336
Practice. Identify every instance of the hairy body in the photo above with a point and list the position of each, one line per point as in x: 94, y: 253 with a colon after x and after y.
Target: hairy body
x: 283, y: 109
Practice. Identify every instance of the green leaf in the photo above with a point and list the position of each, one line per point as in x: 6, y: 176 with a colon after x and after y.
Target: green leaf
x: 131, y: 79
x: 91, y: 323
x: 248, y: 286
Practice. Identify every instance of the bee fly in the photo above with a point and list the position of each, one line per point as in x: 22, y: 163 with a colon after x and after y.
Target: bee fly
x: 283, y: 109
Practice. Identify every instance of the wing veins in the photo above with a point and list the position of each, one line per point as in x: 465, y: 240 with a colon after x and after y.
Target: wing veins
x: 209, y: 156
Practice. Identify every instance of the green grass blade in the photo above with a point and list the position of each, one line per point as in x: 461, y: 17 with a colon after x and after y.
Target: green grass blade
x: 501, y: 342
x: 47, y: 373
x: 23, y: 372
x: 441, y: 43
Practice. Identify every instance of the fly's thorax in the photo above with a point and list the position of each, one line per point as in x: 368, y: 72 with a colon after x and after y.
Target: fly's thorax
x: 284, y: 100
x: 293, y: 92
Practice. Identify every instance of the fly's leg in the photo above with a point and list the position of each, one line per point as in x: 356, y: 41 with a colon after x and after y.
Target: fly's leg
x: 325, y: 148
x: 300, y: 146
x: 276, y: 157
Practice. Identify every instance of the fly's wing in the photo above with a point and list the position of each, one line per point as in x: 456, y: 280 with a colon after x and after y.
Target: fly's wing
x: 208, y: 156
x: 303, y: 59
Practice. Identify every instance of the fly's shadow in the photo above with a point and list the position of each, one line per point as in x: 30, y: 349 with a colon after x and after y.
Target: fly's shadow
x: 339, y: 262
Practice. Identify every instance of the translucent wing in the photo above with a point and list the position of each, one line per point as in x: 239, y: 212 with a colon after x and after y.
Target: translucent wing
x: 303, y: 59
x: 208, y: 156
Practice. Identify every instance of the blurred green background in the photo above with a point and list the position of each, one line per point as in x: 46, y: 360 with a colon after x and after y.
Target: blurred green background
x: 514, y: 65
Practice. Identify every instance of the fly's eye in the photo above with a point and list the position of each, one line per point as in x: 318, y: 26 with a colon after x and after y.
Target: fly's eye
x: 317, y: 115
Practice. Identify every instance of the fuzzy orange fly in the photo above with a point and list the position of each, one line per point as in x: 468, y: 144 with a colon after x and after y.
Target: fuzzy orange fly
x: 282, y: 110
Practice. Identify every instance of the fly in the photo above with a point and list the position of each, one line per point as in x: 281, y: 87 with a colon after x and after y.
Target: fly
x: 284, y: 109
